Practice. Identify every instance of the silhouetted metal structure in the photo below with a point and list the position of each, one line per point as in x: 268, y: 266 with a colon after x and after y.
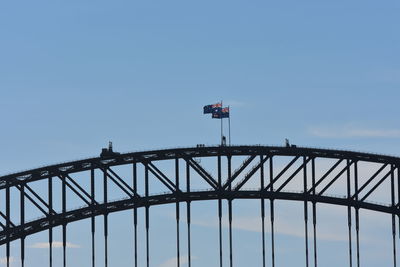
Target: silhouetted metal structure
x: 258, y: 160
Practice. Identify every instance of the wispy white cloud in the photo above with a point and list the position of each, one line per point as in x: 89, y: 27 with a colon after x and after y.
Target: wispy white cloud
x: 172, y: 262
x: 253, y: 224
x: 3, y: 261
x: 351, y: 131
x: 56, y: 244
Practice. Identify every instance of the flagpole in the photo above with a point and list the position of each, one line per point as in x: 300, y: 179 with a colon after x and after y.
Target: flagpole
x: 229, y: 122
x: 222, y: 131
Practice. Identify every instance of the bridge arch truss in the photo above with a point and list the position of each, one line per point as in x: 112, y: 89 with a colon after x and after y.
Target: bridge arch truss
x: 234, y: 173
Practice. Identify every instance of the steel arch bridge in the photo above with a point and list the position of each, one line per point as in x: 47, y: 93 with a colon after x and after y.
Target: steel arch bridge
x: 312, y: 172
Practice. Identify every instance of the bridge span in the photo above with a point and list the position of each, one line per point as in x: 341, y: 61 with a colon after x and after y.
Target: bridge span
x: 224, y: 174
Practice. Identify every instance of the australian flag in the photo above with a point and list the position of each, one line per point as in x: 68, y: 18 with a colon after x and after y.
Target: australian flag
x: 220, y: 113
x: 211, y: 108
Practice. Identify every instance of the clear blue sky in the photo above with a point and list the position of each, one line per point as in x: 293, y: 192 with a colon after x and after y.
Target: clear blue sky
x: 76, y: 74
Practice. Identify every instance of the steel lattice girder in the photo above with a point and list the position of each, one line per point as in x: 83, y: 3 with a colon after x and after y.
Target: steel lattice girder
x: 12, y: 231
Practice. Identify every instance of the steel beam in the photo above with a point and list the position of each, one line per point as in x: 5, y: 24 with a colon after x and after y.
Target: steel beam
x: 161, y: 177
x: 64, y: 225
x: 203, y: 173
x: 219, y: 170
x: 349, y: 212
x: 312, y: 189
x: 369, y: 180
x: 188, y: 217
x: 128, y: 158
x: 250, y: 174
x: 105, y: 199
x: 301, y: 167
x: 93, y: 218
x: 8, y: 215
x: 262, y: 184
x: 347, y: 168
x: 243, y: 166
x: 270, y: 185
x: 22, y: 217
x: 178, y: 254
x: 135, y: 216
x: 375, y: 186
x: 392, y: 192
x: 271, y: 188
x: 230, y: 213
x: 121, y: 181
x: 304, y: 167
x: 314, y: 205
x: 50, y: 200
x: 147, y: 216
x: 75, y: 191
x: 357, y: 214
x: 125, y: 189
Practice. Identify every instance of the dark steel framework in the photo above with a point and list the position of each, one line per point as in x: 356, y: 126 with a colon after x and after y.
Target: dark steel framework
x: 259, y: 161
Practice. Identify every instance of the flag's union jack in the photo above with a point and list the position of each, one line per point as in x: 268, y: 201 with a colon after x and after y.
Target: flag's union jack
x: 221, y: 113
x: 212, y: 108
